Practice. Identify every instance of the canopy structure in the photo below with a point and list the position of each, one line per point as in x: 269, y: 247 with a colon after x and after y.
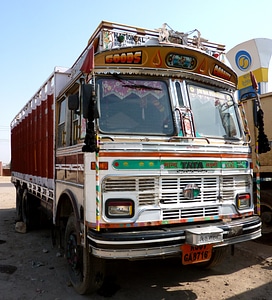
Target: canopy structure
x: 251, y: 56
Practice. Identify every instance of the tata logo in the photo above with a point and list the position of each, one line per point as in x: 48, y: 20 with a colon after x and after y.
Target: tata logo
x: 243, y: 60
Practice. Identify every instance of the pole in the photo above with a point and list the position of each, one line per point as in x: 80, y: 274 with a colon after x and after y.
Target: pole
x: 97, y: 188
x: 258, y: 180
x: 247, y: 132
x: 97, y: 177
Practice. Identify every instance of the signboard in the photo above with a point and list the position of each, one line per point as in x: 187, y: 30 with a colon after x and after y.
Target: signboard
x: 253, y: 55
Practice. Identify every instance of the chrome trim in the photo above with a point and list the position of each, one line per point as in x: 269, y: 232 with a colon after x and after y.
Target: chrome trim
x: 241, y: 238
x: 136, y: 253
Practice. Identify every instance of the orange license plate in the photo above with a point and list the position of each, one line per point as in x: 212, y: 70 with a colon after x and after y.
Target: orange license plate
x: 194, y: 254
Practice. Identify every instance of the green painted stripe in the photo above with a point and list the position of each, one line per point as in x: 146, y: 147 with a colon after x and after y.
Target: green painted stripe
x: 130, y: 164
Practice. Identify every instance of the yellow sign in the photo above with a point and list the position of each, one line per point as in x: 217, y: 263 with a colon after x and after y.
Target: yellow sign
x: 261, y: 75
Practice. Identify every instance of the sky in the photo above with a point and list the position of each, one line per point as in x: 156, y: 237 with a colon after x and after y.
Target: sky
x: 36, y: 36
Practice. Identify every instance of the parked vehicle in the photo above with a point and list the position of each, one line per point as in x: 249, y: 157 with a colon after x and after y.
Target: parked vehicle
x: 258, y: 117
x: 137, y: 151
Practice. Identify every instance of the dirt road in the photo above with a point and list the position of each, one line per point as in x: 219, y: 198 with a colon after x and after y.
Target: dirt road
x: 30, y: 268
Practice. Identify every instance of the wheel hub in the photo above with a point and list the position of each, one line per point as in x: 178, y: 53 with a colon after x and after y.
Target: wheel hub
x: 72, y: 252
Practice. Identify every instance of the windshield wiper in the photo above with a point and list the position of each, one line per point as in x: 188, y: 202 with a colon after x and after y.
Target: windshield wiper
x: 141, y: 87
x: 127, y: 83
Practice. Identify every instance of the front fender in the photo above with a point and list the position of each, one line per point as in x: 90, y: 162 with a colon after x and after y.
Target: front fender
x: 67, y: 205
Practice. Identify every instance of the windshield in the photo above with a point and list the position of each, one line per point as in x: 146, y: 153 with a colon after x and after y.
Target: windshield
x: 214, y: 113
x: 134, y: 107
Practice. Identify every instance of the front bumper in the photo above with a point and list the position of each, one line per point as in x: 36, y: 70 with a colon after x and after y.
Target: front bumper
x: 166, y: 241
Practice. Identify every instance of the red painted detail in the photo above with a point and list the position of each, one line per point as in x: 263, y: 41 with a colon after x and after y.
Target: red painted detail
x: 32, y: 141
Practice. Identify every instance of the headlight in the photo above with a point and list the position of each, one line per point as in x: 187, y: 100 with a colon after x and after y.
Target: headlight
x: 119, y: 208
x: 243, y: 201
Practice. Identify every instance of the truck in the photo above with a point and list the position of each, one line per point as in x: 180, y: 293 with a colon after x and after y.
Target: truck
x: 137, y: 151
x: 260, y: 137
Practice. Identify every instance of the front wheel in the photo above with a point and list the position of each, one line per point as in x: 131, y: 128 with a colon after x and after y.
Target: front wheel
x: 86, y: 272
x: 218, y: 256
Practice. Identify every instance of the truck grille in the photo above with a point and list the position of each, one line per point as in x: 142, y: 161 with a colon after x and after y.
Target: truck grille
x: 191, y: 212
x: 168, y: 193
x: 172, y: 189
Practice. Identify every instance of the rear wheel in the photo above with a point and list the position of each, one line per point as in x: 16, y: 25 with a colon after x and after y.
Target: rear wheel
x: 26, y: 209
x: 30, y: 212
x: 218, y: 256
x: 19, y: 216
x: 86, y: 271
x: 266, y: 216
x: 266, y: 211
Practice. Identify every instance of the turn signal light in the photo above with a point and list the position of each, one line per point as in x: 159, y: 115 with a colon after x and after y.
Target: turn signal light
x: 103, y: 165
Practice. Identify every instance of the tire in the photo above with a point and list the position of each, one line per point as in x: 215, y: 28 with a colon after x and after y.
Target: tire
x: 26, y: 209
x: 30, y: 212
x: 86, y: 272
x: 266, y: 216
x: 266, y: 211
x: 218, y: 256
x: 19, y: 216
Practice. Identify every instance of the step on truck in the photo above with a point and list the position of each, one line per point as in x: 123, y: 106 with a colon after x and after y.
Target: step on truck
x: 137, y: 151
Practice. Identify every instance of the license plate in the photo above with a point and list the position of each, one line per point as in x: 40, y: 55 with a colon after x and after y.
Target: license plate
x: 204, y: 235
x: 195, y: 254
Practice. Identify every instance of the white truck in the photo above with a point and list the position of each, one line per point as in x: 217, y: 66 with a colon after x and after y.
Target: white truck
x: 137, y: 151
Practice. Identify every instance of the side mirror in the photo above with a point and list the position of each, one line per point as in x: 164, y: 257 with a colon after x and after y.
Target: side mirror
x: 73, y: 102
x: 90, y: 110
x: 87, y: 97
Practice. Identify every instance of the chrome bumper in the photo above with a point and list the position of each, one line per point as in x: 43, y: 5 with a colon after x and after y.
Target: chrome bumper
x: 166, y: 241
